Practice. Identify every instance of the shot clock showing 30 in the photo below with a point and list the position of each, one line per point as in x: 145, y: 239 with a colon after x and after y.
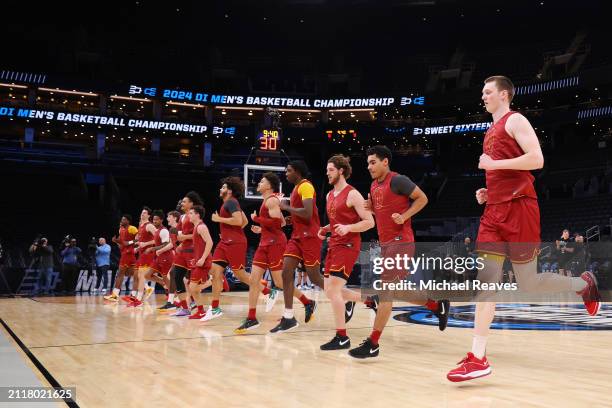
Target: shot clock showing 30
x: 269, y: 140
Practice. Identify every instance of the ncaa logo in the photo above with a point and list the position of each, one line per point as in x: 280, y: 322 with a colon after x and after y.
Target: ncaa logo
x: 417, y: 131
x: 519, y: 316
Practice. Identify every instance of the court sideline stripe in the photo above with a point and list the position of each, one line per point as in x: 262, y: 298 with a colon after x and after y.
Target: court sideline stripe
x: 54, y: 383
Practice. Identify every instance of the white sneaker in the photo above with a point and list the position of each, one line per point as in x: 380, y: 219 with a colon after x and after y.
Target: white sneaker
x: 212, y: 314
x: 148, y: 292
x: 271, y: 299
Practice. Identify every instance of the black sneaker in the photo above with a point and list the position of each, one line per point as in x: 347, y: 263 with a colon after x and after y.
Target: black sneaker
x: 167, y: 306
x: 337, y: 343
x: 365, y: 350
x: 247, y: 324
x: 372, y: 303
x: 442, y: 313
x: 285, y: 325
x: 310, y: 309
x: 349, y: 308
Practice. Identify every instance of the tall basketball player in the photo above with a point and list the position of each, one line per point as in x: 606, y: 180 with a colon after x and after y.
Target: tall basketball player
x: 127, y: 261
x: 202, y: 248
x: 183, y: 258
x: 163, y: 249
x: 232, y: 248
x: 173, y: 220
x: 304, y: 244
x: 347, y: 219
x: 269, y: 254
x: 510, y: 225
x: 390, y: 201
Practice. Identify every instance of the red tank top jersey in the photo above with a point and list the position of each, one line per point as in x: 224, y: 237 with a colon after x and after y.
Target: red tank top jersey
x: 339, y: 213
x: 385, y: 203
x: 199, y: 245
x: 505, y: 185
x: 270, y: 235
x: 158, y: 242
x: 304, y: 228
x: 186, y: 228
x: 144, y: 236
x: 125, y: 236
x: 231, y: 234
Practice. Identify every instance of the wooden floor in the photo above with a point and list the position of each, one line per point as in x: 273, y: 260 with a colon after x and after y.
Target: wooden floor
x: 122, y: 357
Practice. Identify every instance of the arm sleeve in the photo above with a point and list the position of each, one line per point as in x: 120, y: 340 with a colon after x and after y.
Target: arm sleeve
x: 268, y: 222
x: 231, y: 206
x: 402, y: 185
x: 164, y: 235
x: 306, y: 191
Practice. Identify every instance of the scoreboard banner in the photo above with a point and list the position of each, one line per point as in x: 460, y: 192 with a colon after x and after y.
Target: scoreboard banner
x: 207, y: 98
x: 113, y: 121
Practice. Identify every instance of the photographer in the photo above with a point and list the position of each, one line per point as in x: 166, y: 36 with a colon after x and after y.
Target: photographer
x: 44, y: 252
x: 70, y: 265
x: 103, y: 252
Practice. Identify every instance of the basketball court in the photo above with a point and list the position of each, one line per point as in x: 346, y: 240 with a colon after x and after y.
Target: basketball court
x: 122, y: 356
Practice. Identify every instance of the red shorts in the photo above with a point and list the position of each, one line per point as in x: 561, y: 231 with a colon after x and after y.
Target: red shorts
x: 199, y: 274
x: 307, y: 250
x: 340, y: 260
x: 127, y: 260
x: 511, y: 229
x: 392, y: 250
x: 233, y: 254
x: 146, y: 260
x: 163, y: 263
x: 270, y: 256
x: 183, y: 259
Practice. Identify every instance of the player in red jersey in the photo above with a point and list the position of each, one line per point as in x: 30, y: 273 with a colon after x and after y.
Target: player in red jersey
x: 269, y: 254
x: 390, y: 201
x: 162, y: 251
x: 127, y: 261
x: 173, y: 220
x: 231, y: 250
x: 510, y: 225
x: 304, y: 244
x: 183, y: 258
x: 146, y: 258
x: 202, y: 261
x: 347, y: 219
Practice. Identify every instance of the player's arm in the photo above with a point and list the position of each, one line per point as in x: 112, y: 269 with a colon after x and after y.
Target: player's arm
x: 521, y: 130
x: 166, y: 245
x: 356, y: 201
x: 276, y: 216
x: 306, y: 192
x: 231, y: 207
x: 402, y: 185
x: 151, y: 229
x: 205, y: 234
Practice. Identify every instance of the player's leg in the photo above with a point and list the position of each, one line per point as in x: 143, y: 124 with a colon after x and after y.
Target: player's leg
x: 333, y: 290
x: 181, y: 291
x: 217, y: 270
x: 288, y: 321
x: 114, y: 295
x: 251, y: 321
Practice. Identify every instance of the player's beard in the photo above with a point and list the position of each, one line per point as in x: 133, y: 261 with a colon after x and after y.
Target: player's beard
x: 334, y: 181
x: 224, y: 195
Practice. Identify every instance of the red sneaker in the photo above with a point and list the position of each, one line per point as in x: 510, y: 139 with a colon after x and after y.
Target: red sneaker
x: 590, y: 294
x: 197, y: 316
x: 469, y: 369
x: 127, y: 298
x: 134, y: 303
x: 226, y: 287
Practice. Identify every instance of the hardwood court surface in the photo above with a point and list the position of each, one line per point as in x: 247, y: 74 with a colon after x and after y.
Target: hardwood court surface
x: 125, y: 357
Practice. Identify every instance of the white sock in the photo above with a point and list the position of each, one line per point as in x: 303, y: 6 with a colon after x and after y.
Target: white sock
x: 134, y: 293
x: 139, y: 296
x: 288, y: 314
x: 479, y: 346
x: 578, y: 284
x: 171, y: 298
x: 116, y: 291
